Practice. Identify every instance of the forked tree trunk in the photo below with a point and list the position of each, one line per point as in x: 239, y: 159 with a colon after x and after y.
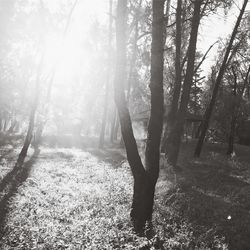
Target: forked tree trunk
x: 107, y: 87
x: 144, y: 178
x: 174, y: 139
x: 209, y: 110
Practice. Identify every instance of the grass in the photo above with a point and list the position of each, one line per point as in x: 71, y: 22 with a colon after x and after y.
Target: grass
x: 75, y: 199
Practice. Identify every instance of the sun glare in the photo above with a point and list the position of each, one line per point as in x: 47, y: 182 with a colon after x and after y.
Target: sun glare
x: 69, y: 53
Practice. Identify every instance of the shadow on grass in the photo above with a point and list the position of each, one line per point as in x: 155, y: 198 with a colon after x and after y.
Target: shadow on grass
x: 11, y: 182
x: 213, y: 201
x: 211, y: 216
x: 112, y: 156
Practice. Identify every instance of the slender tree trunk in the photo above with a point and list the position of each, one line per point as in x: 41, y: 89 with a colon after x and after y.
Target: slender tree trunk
x: 233, y: 117
x: 29, y: 134
x: 124, y: 116
x: 117, y: 126
x: 177, y: 86
x: 113, y: 124
x: 107, y: 87
x: 144, y: 178
x: 131, y: 75
x: 174, y: 139
x: 42, y: 123
x: 209, y: 110
x: 152, y: 155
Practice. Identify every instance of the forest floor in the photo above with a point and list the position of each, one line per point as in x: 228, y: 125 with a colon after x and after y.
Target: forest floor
x: 79, y: 198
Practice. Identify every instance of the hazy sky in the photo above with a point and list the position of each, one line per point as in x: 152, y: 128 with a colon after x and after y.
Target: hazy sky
x: 215, y: 27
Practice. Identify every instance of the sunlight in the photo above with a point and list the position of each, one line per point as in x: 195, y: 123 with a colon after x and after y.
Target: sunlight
x: 69, y: 54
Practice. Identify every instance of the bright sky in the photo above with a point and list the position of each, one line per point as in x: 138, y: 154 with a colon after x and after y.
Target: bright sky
x: 215, y: 27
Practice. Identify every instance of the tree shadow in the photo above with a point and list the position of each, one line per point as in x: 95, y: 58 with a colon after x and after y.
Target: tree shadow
x: 11, y: 182
x: 213, y: 201
x: 108, y: 155
x: 211, y: 216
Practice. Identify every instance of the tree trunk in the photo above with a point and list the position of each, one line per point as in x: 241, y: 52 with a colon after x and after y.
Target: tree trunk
x: 106, y: 101
x: 117, y: 126
x: 113, y: 124
x: 132, y: 64
x: 174, y: 139
x: 233, y: 117
x: 177, y: 86
x: 209, y: 110
x: 144, y: 179
x: 28, y: 138
x: 42, y: 123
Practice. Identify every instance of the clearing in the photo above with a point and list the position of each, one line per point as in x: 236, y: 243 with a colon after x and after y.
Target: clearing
x: 70, y: 198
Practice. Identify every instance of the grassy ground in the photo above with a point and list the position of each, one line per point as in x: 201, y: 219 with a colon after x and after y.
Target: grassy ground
x: 68, y: 198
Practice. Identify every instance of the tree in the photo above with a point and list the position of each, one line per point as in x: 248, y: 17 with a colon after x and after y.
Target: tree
x: 174, y: 139
x: 32, y: 116
x: 178, y: 76
x: 146, y: 177
x: 209, y: 110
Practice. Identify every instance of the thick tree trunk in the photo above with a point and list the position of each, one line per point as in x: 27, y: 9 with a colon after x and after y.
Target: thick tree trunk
x: 107, y: 87
x: 144, y: 179
x: 209, y: 110
x: 143, y: 202
x: 174, y: 139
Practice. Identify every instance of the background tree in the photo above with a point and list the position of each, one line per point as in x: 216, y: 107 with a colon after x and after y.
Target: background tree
x: 210, y: 107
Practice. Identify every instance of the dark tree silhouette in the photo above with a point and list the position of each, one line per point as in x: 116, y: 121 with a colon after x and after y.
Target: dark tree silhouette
x: 174, y: 139
x: 209, y: 110
x: 146, y: 177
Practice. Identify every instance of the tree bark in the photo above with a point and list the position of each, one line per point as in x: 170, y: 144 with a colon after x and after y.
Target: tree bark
x: 174, y: 139
x: 233, y: 117
x: 209, y: 110
x: 144, y: 178
x: 177, y: 86
x: 134, y: 54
